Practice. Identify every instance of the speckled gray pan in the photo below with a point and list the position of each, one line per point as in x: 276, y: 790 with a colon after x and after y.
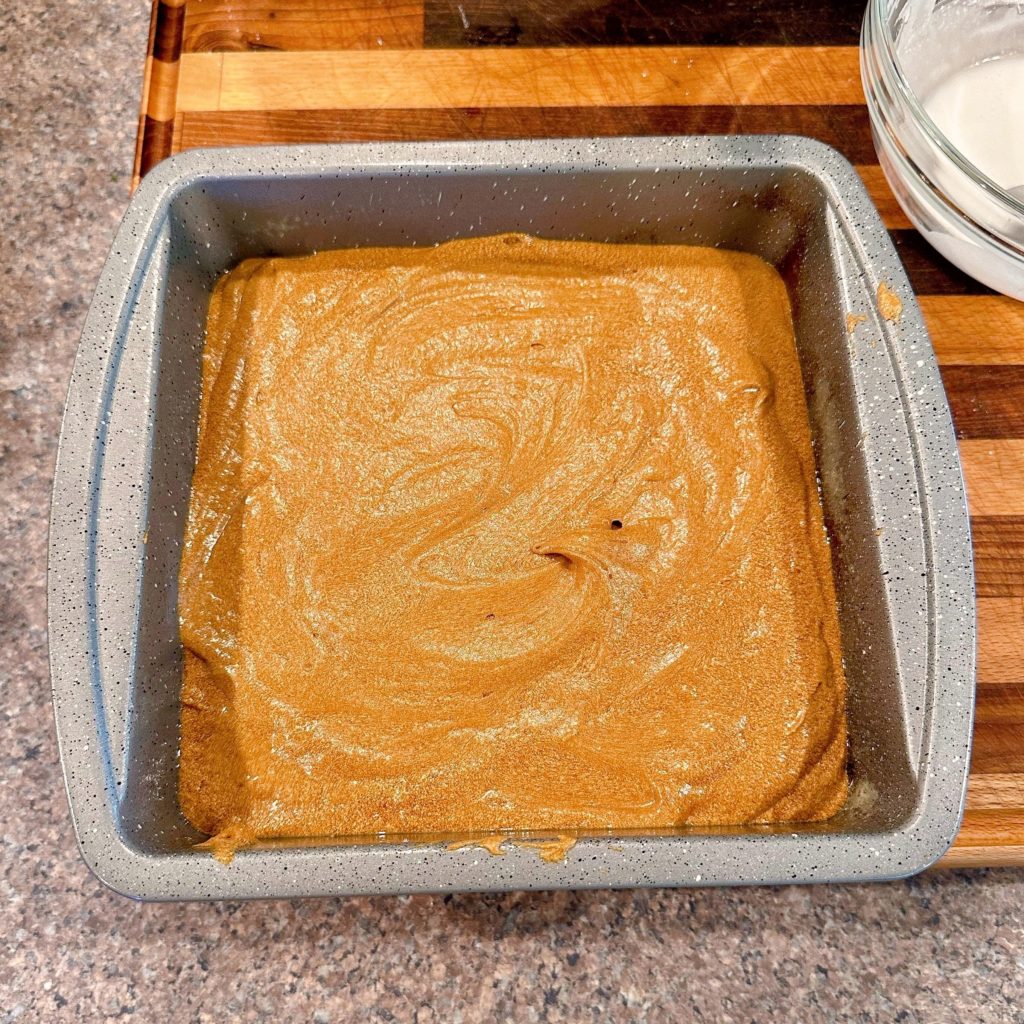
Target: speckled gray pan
x: 890, y: 476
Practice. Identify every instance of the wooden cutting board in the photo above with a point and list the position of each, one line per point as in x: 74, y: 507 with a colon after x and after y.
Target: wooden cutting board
x: 231, y: 72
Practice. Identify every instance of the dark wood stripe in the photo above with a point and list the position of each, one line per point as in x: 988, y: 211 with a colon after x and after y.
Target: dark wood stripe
x: 845, y: 127
x: 170, y: 22
x: 999, y: 556
x: 930, y: 273
x: 462, y: 23
x: 998, y: 747
x: 999, y: 729
x: 220, y: 26
x: 987, y: 401
x: 1001, y: 702
x: 156, y: 143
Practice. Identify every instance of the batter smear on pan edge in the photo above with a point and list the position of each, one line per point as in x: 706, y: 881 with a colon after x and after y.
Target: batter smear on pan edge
x: 505, y: 534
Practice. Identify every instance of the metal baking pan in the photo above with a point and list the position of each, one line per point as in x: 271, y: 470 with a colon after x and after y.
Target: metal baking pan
x: 887, y: 459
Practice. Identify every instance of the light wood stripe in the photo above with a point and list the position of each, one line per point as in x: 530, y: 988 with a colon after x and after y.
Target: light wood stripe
x: 993, y: 827
x: 163, y: 86
x: 613, y: 76
x: 988, y: 792
x: 971, y: 850
x: 975, y: 328
x: 994, y: 471
x: 1000, y: 640
x: 199, y: 80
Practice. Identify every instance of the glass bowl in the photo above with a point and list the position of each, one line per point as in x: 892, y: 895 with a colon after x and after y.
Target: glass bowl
x: 908, y: 48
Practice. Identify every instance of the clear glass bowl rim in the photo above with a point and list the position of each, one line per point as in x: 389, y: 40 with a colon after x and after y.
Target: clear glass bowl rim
x: 878, y: 12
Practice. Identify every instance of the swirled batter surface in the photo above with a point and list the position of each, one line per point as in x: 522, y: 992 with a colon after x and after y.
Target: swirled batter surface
x: 505, y: 534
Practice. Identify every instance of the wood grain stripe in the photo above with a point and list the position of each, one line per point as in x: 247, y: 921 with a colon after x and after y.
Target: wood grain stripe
x: 163, y: 67
x: 929, y: 273
x: 993, y: 471
x: 1000, y: 641
x: 998, y: 728
x: 156, y: 142
x: 986, y: 401
x: 997, y: 746
x: 996, y: 789
x: 971, y: 851
x: 654, y: 22
x: 998, y: 555
x: 214, y: 26
x: 843, y: 126
x: 176, y: 136
x: 613, y: 77
x: 985, y: 329
x: 144, y: 100
x: 994, y: 822
x: 990, y: 827
x: 170, y: 21
x: 163, y: 89
x: 1001, y: 703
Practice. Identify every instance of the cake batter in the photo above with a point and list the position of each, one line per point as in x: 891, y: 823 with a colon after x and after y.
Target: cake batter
x: 505, y: 534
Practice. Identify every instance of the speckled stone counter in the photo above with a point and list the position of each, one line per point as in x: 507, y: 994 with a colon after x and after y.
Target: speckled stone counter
x: 943, y: 947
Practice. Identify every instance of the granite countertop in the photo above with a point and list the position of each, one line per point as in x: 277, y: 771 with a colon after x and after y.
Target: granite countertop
x: 947, y: 946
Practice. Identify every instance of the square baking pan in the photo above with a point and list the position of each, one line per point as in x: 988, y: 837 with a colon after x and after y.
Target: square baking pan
x: 887, y: 460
